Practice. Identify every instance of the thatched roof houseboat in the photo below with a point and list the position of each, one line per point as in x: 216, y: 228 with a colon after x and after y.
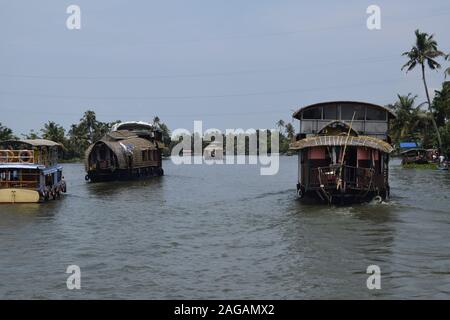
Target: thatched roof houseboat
x: 131, y: 150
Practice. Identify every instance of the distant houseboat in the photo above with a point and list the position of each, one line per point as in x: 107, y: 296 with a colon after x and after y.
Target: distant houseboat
x: 131, y: 150
x: 213, y: 151
x: 343, y: 151
x: 29, y: 171
x: 415, y: 156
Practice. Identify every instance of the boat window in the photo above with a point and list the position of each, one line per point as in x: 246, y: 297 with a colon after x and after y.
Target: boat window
x: 48, y: 180
x: 313, y: 113
x: 330, y: 112
x: 347, y: 112
x: 375, y: 114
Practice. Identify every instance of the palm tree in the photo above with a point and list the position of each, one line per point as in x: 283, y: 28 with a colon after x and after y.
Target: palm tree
x: 280, y: 123
x: 290, y: 131
x: 441, y: 104
x: 89, y: 120
x: 411, y: 121
x: 54, y: 132
x: 5, y: 133
x: 31, y: 135
x: 424, y: 51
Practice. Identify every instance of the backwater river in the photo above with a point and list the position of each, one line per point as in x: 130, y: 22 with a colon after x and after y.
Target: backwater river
x: 226, y: 232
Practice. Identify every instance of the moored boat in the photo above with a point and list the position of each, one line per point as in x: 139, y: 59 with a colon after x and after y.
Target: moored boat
x: 415, y: 156
x: 343, y: 152
x: 132, y: 150
x: 29, y: 171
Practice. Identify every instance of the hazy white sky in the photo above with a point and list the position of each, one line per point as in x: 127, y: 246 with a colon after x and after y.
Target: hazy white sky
x: 230, y: 63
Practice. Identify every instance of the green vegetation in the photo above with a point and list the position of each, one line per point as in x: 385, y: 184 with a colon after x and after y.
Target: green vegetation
x: 79, y: 136
x: 5, y: 133
x: 287, y: 135
x: 429, y: 126
x: 426, y: 166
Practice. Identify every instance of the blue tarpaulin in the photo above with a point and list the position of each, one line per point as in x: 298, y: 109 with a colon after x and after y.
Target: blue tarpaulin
x: 408, y: 145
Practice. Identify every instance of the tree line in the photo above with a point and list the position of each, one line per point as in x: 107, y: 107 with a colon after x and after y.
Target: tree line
x: 80, y: 135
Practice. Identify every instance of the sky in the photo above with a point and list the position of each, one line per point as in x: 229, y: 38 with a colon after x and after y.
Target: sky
x: 230, y: 63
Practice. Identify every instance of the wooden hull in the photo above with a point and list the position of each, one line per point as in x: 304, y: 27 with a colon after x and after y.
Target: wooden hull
x: 350, y: 196
x: 124, y: 174
x: 14, y: 195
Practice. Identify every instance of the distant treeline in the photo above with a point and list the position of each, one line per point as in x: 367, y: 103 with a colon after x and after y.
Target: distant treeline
x: 89, y: 130
x: 80, y: 135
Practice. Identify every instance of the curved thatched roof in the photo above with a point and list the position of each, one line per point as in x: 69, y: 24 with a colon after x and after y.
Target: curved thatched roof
x: 123, y: 144
x: 361, y: 141
x: 297, y: 113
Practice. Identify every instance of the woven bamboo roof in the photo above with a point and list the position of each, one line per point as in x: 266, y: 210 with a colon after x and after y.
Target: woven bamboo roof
x: 122, y: 146
x: 360, y: 141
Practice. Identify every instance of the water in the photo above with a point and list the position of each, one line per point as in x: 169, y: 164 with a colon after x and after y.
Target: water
x: 225, y: 232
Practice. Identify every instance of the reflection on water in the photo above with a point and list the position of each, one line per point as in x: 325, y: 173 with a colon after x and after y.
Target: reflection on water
x: 224, y: 232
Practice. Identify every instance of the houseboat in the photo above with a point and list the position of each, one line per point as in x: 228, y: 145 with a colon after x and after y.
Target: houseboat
x: 415, y: 156
x: 29, y: 171
x: 343, y: 151
x: 132, y: 150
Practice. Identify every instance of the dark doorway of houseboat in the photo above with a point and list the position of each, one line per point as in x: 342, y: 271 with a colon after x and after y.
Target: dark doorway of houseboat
x: 351, y: 157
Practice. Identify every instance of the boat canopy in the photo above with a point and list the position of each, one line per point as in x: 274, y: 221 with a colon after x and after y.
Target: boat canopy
x: 22, y: 166
x: 360, y: 141
x: 298, y: 113
x: 133, y: 126
x: 33, y: 143
x: 409, y: 145
x: 123, y: 147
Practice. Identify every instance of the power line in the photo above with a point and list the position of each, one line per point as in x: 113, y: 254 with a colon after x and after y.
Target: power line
x: 191, y: 97
x: 205, y: 74
x: 145, y: 114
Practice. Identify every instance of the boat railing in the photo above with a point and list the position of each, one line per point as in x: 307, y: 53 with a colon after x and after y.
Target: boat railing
x: 17, y: 156
x: 19, y: 184
x: 354, y: 177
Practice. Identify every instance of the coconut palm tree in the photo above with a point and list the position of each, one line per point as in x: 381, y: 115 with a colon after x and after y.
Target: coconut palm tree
x: 290, y: 131
x: 280, y: 124
x: 411, y: 121
x: 53, y: 131
x: 5, y: 133
x: 441, y: 104
x: 89, y: 121
x: 31, y: 135
x: 423, y: 52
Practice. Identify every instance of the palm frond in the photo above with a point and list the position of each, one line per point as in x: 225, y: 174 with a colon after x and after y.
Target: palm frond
x: 433, y: 64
